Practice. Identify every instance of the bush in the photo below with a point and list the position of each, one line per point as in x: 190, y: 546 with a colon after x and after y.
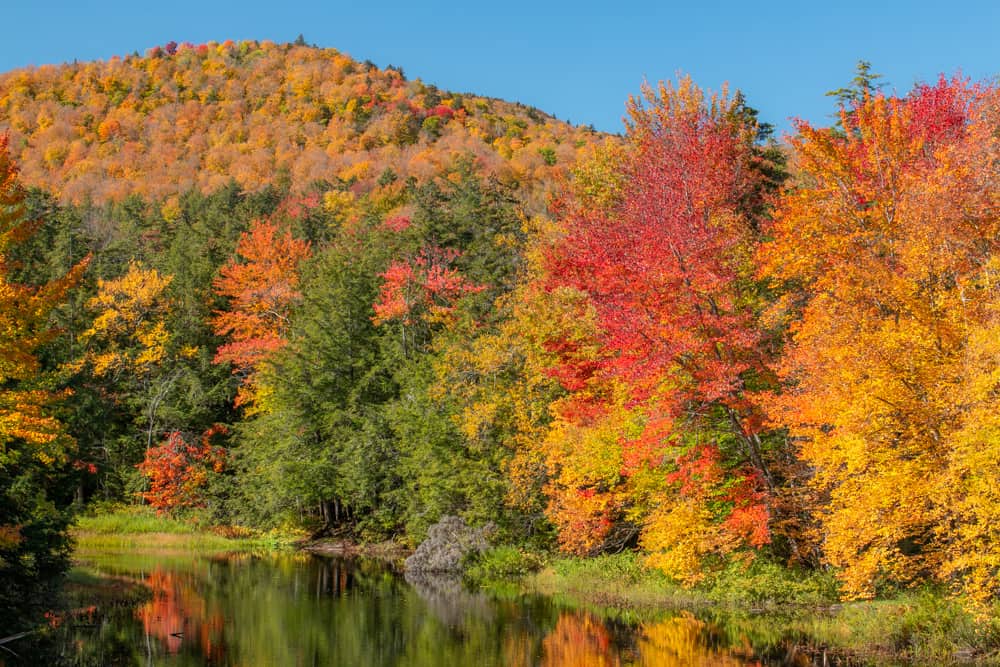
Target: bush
x: 764, y: 582
x: 503, y: 562
x: 626, y: 567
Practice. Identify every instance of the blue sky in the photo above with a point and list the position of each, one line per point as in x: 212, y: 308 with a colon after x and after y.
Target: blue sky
x: 577, y: 60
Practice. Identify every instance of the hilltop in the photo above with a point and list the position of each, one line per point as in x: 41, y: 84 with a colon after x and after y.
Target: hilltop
x: 187, y: 116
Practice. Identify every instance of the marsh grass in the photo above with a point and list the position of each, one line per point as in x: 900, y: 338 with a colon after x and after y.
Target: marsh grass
x: 140, y: 527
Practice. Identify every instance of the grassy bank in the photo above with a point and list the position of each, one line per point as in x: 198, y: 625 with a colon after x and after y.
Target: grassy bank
x: 766, y: 605
x: 134, y: 526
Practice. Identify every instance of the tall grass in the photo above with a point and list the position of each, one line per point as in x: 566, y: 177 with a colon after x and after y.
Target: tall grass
x: 136, y: 526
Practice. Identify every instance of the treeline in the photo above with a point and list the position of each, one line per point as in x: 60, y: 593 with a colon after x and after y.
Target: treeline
x: 710, y: 348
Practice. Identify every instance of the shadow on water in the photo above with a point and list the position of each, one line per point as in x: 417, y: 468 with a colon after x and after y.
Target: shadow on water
x: 296, y: 609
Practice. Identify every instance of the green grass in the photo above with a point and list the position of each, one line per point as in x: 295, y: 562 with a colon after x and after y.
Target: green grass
x: 136, y: 526
x: 134, y: 520
x: 617, y: 585
x: 924, y: 625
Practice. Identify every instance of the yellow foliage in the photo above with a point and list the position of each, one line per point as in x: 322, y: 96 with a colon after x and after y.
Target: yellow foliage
x: 678, y: 534
x: 129, y: 330
x: 894, y: 234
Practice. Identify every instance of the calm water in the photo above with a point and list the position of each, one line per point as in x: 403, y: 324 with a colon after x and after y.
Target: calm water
x: 298, y: 609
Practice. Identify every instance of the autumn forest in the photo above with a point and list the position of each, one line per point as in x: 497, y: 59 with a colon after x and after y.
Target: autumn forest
x: 266, y: 285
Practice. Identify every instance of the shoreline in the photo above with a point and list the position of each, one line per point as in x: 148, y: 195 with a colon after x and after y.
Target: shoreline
x: 768, y: 604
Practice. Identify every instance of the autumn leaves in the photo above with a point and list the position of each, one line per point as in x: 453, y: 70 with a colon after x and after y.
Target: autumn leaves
x: 700, y: 353
x: 821, y: 378
x: 812, y: 371
x: 889, y: 248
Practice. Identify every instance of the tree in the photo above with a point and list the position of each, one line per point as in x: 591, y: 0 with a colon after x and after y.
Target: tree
x: 666, y: 268
x: 129, y: 344
x: 886, y: 254
x: 35, y: 450
x: 261, y: 290
x: 864, y: 84
x: 178, y: 470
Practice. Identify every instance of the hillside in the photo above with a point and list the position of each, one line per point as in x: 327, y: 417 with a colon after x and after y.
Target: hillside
x: 194, y: 117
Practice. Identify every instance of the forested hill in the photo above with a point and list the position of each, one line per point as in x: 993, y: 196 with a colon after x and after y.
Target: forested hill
x: 186, y: 117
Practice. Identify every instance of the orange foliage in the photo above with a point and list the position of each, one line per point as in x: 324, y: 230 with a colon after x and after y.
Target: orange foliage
x: 195, y: 116
x: 178, y: 471
x: 262, y: 288
x: 890, y: 246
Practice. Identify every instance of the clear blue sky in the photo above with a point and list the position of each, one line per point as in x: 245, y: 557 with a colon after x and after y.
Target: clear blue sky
x: 577, y: 60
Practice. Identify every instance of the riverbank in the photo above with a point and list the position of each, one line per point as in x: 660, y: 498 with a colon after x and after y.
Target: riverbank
x: 771, y: 606
x: 765, y: 605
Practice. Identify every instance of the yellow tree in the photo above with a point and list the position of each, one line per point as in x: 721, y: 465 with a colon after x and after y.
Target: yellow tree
x: 883, y: 248
x: 24, y: 312
x: 128, y: 342
x: 33, y: 444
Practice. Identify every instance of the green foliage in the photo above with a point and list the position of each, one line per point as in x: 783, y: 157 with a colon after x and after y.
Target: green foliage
x: 768, y: 583
x: 502, y: 563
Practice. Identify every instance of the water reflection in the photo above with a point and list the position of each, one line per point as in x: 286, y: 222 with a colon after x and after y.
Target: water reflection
x: 266, y: 609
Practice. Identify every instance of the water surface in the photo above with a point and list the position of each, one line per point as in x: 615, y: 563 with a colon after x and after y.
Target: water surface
x: 300, y: 609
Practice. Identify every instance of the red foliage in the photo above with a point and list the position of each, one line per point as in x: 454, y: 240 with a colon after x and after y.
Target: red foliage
x: 441, y: 111
x: 941, y: 111
x: 663, y: 271
x: 427, y: 285
x: 660, y: 273
x: 178, y: 470
x: 397, y: 223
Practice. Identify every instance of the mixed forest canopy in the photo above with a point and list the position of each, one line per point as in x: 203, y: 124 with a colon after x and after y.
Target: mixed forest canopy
x: 268, y: 285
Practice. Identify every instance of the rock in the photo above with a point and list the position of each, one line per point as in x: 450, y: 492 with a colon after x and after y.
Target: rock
x: 448, y: 543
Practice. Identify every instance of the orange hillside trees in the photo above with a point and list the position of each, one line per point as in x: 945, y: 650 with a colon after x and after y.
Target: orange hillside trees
x: 887, y: 251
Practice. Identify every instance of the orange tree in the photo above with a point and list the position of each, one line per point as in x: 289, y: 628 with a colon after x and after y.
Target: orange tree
x: 34, y: 447
x: 887, y: 251
x: 178, y: 471
x: 262, y: 288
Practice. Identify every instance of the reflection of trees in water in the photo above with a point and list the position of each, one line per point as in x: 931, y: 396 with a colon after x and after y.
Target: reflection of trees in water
x: 332, y: 577
x: 289, y: 610
x: 449, y: 600
x: 683, y: 641
x: 580, y: 640
x: 178, y: 615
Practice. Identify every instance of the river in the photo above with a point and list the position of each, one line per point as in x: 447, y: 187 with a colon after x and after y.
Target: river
x: 288, y: 609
